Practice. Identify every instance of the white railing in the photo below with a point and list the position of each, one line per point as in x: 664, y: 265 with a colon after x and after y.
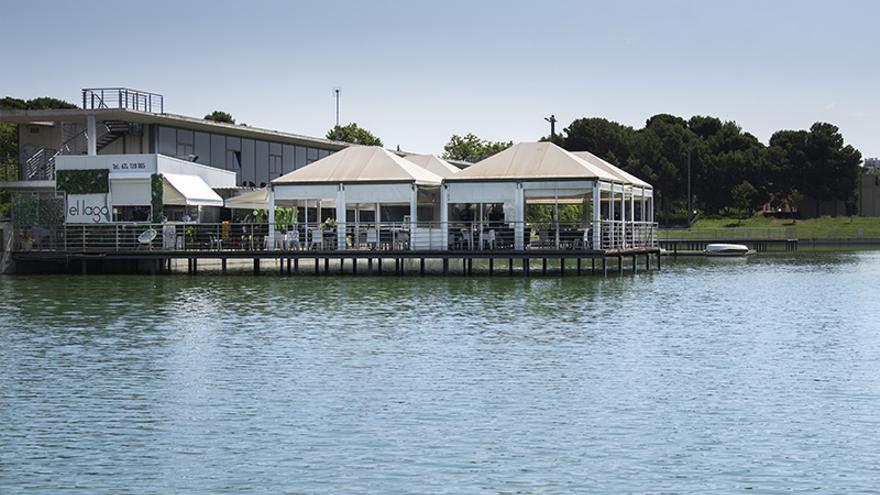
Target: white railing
x: 357, y: 236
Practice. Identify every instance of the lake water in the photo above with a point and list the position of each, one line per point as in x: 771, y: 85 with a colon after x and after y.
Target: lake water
x: 756, y: 376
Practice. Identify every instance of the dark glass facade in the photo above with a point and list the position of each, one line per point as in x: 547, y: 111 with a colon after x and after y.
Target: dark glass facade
x: 255, y: 161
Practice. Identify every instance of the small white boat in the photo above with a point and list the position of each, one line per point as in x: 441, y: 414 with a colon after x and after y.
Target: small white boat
x: 727, y: 250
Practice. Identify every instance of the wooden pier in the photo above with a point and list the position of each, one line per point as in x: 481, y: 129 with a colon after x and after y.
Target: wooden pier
x: 361, y: 262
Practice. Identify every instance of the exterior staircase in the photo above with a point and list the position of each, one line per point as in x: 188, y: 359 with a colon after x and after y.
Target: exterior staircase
x: 41, y: 164
x: 114, y: 130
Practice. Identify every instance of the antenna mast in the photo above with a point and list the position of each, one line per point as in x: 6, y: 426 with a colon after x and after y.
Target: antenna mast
x: 336, y: 92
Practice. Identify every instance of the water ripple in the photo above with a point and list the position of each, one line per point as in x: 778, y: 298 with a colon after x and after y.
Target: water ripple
x: 712, y: 375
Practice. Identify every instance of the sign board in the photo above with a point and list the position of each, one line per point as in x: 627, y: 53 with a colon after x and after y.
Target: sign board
x: 87, y: 208
x: 131, y: 165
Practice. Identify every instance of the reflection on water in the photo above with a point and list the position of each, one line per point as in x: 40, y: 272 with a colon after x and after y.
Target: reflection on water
x: 710, y: 375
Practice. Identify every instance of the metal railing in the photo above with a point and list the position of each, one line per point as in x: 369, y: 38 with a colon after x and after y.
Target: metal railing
x: 127, y: 98
x: 41, y: 165
x: 727, y: 234
x: 358, y: 236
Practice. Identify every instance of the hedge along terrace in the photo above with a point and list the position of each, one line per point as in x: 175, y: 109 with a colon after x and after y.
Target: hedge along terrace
x: 83, y: 181
x: 157, y: 197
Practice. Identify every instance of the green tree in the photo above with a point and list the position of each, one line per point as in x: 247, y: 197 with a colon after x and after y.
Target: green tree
x: 819, y: 164
x: 744, y: 195
x: 608, y: 140
x: 470, y: 148
x: 220, y: 116
x: 351, y: 133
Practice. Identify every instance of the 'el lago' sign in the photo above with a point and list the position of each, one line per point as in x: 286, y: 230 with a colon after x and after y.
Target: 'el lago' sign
x: 87, y: 208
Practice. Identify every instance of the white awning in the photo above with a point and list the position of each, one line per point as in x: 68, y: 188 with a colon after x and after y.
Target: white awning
x: 189, y: 190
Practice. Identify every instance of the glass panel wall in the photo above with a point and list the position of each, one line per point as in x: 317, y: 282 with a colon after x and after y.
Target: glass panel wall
x: 301, y: 159
x: 248, y: 165
x: 274, y: 160
x: 202, y: 148
x: 261, y: 171
x: 185, y: 143
x: 255, y: 162
x: 289, y: 159
x: 218, y: 151
x: 167, y: 141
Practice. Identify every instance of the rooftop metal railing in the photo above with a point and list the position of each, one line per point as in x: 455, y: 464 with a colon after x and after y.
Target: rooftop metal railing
x: 321, y: 237
x: 127, y: 98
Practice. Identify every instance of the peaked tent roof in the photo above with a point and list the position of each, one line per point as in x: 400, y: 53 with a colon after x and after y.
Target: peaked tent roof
x: 533, y: 161
x: 360, y: 164
x: 624, y: 175
x: 251, y: 200
x: 434, y: 164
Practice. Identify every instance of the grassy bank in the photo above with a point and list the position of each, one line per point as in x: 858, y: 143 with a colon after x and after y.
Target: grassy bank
x: 758, y: 227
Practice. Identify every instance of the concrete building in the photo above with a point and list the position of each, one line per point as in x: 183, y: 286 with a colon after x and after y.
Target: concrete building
x: 123, y: 121
x: 869, y: 192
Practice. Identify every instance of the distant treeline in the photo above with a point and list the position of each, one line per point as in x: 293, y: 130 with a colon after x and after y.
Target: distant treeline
x: 732, y: 172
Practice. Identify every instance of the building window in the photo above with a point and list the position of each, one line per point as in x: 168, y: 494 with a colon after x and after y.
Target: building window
x: 131, y: 213
x: 276, y: 161
x: 233, y: 160
x: 185, y: 143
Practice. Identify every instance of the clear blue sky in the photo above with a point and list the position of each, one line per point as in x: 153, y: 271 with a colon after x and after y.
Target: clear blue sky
x: 414, y: 73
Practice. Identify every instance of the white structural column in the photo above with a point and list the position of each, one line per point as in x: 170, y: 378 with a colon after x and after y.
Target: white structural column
x: 340, y: 218
x: 597, y: 216
x: 271, y: 241
x: 92, y: 138
x: 644, y: 215
x: 413, y: 212
x: 444, y: 217
x: 632, y: 214
x: 613, y: 223
x: 623, y: 216
x: 519, y: 212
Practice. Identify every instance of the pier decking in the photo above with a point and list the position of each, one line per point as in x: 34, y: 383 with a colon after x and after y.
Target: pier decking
x: 97, y: 249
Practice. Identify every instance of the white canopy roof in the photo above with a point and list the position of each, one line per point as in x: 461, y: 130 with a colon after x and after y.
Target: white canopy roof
x: 434, y: 164
x: 533, y: 161
x: 360, y: 164
x: 624, y: 176
x: 188, y: 190
x: 252, y: 200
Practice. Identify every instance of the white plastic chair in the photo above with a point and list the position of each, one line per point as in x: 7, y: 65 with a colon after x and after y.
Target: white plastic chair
x: 146, y: 238
x: 291, y: 240
x: 317, y: 238
x: 402, y: 240
x: 373, y: 238
x: 489, y: 239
